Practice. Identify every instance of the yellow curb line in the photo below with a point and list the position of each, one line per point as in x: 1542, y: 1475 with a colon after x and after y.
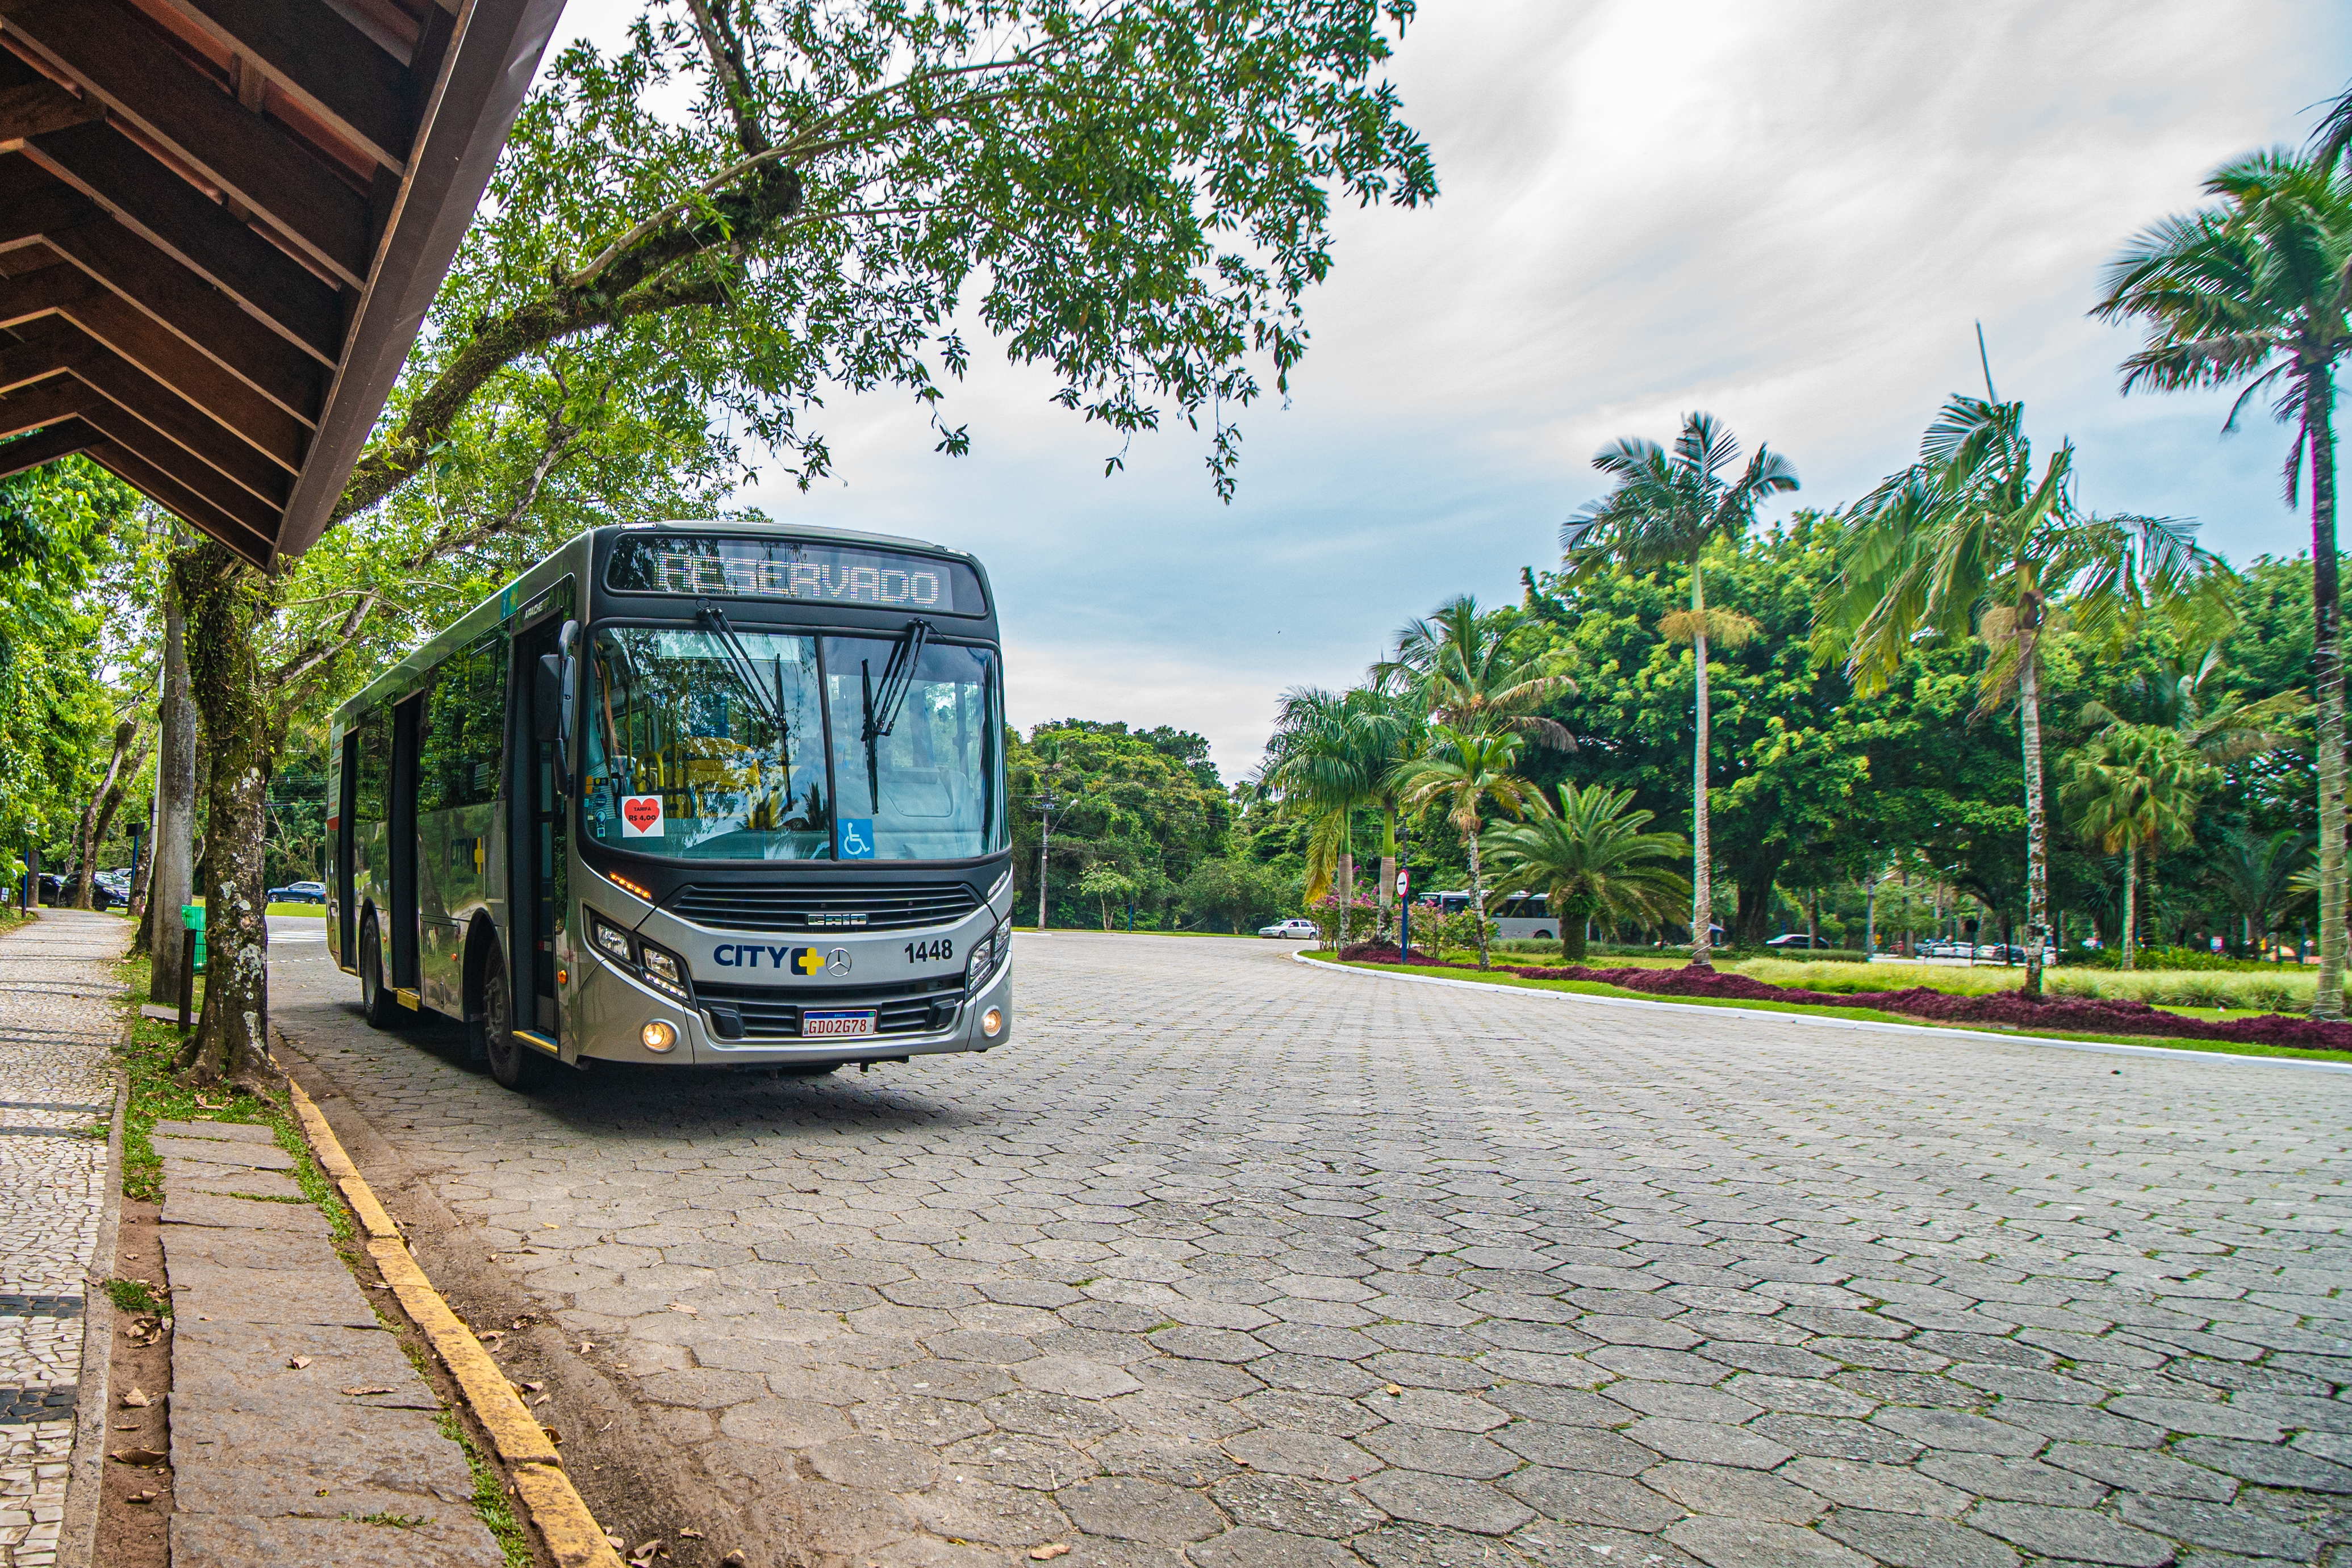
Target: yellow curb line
x: 573, y: 1536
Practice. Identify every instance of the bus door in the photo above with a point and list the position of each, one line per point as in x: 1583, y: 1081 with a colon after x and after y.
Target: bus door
x: 402, y: 843
x: 537, y: 833
x: 346, y: 847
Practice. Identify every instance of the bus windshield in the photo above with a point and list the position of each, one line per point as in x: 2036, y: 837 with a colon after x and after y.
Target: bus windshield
x: 711, y: 744
x: 705, y: 747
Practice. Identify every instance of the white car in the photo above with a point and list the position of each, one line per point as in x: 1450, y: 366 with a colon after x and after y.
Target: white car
x: 1303, y: 928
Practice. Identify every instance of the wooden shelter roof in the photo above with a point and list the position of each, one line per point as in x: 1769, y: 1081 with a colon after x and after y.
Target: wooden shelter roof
x: 221, y: 224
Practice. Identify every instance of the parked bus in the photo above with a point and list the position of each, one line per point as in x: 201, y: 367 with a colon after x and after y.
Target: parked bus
x: 1517, y: 916
x: 694, y: 793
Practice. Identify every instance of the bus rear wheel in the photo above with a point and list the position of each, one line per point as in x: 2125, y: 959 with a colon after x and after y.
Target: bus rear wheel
x: 512, y: 1063
x: 376, y: 997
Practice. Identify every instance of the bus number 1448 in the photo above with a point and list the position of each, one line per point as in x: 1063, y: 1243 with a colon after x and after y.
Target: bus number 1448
x: 928, y: 952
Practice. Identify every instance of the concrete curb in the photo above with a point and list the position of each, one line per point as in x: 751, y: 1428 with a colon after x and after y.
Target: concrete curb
x: 571, y: 1532
x: 2101, y: 1048
x: 94, y: 1387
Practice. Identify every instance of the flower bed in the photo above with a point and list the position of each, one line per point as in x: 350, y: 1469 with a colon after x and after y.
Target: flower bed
x: 2074, y: 1015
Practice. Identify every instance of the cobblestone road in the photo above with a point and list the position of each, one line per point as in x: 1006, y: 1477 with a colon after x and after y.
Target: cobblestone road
x: 57, y: 1080
x: 1232, y: 1262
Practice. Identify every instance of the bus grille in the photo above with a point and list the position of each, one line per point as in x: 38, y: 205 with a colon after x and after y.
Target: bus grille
x: 771, y: 1013
x: 823, y: 907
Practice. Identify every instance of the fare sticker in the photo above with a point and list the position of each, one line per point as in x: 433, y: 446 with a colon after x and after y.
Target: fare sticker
x: 641, y: 816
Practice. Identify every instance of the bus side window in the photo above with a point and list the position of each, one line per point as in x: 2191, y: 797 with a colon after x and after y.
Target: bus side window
x: 376, y: 759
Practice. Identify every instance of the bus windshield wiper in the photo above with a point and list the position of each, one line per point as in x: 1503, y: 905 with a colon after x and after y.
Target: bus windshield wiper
x: 882, y: 712
x: 746, y: 671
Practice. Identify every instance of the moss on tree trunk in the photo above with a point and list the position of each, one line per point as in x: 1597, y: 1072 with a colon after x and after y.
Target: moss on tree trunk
x: 226, y: 603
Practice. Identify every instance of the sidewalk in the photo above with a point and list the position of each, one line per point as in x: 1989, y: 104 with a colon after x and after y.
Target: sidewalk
x: 57, y: 1082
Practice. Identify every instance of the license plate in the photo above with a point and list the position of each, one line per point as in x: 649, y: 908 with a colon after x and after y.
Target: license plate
x: 815, y: 1025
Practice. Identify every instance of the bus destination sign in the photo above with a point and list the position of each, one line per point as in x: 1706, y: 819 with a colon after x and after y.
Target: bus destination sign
x: 705, y: 566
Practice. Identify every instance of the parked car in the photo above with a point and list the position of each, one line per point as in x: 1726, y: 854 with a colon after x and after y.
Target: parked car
x: 58, y: 889
x: 1798, y: 939
x: 299, y: 892
x: 1299, y: 928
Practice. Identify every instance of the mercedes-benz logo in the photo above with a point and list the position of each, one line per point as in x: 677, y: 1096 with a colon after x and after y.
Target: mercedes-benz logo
x: 837, y: 961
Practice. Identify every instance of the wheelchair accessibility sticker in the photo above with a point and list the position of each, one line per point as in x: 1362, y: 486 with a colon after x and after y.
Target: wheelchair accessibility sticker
x: 856, y: 839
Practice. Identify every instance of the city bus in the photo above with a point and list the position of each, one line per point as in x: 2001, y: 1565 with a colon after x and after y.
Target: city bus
x: 693, y: 794
x: 1517, y: 916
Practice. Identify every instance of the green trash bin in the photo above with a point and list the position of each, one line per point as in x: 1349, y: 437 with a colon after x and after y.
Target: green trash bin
x: 192, y: 915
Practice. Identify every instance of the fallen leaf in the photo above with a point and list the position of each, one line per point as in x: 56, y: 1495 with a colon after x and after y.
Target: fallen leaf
x: 298, y: 1362
x: 150, y: 1495
x: 141, y: 1456
x: 547, y: 1225
x: 617, y: 1542
x: 734, y: 1560
x: 689, y: 1533
x: 553, y: 1436
x: 1047, y: 1553
x: 543, y: 1399
x: 370, y: 1388
x: 1392, y: 1391
x: 137, y: 1399
x: 682, y: 1307
x: 533, y: 1385
x: 586, y: 1345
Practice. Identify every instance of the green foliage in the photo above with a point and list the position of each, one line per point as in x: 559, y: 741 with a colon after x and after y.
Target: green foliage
x: 1593, y: 860
x: 1146, y: 808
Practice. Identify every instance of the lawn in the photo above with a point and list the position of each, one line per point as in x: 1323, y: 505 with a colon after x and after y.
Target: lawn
x: 1901, y: 977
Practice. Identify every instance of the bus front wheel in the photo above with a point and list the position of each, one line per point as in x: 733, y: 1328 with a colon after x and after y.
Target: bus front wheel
x: 512, y: 1063
x: 376, y: 999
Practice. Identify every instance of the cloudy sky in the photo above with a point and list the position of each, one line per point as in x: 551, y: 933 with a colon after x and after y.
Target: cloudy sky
x: 1790, y: 215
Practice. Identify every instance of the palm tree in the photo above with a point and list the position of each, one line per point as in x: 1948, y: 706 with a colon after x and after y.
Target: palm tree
x: 2257, y: 877
x: 2257, y: 289
x: 1593, y: 858
x: 1970, y: 539
x: 1331, y: 756
x: 1470, y: 673
x: 1666, y: 507
x: 2133, y: 790
x: 1467, y: 771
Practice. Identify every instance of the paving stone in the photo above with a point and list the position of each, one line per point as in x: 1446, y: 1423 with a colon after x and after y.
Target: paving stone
x: 1447, y: 1501
x: 879, y: 1463
x: 1880, y: 1489
x: 2225, y: 1529
x: 2072, y: 1534
x: 1908, y: 1541
x: 1130, y: 1507
x: 1212, y: 1204
x: 1756, y: 1544
x: 2014, y: 1481
x: 1737, y: 1493
x: 1586, y: 1498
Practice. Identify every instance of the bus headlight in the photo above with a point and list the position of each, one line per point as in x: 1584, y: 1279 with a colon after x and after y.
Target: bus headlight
x: 611, y: 941
x: 984, y: 958
x: 664, y: 970
x: 658, y: 1036
x: 992, y: 1022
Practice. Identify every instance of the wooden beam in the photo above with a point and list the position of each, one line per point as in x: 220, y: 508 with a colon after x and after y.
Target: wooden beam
x: 197, y: 232
x: 147, y: 280
x: 43, y: 403
x: 313, y: 55
x: 165, y: 491
x: 186, y: 426
x: 42, y: 293
x: 196, y: 477
x: 37, y: 354
x: 33, y: 105
x: 58, y: 441
x: 111, y: 54
x: 237, y: 407
x: 33, y: 202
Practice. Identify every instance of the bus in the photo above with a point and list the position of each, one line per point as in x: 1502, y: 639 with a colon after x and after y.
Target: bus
x: 1517, y: 916
x: 692, y: 794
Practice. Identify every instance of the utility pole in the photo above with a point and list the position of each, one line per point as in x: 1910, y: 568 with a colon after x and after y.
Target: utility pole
x: 1044, y: 805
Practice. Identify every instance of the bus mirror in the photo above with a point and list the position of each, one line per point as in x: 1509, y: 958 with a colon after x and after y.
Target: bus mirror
x: 547, y: 700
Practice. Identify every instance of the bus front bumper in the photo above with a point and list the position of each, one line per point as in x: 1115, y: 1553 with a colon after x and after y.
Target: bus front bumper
x: 611, y: 1008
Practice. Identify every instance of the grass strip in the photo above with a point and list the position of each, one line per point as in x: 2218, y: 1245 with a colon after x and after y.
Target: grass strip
x: 1865, y: 1015
x: 489, y: 1494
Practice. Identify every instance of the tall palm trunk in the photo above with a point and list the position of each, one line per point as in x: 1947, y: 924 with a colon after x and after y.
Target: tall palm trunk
x: 1478, y: 887
x: 1388, y: 865
x: 1702, y: 889
x: 1347, y: 893
x: 2131, y: 902
x: 2327, y: 672
x: 2037, y: 844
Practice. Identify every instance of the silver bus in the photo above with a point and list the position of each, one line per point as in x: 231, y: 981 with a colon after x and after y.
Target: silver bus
x: 706, y: 794
x: 1517, y: 916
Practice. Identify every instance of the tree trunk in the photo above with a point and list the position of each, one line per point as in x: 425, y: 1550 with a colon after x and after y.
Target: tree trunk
x: 225, y: 601
x: 1477, y: 892
x: 86, y: 839
x: 2327, y: 675
x: 173, y: 852
x: 1388, y: 867
x: 141, y: 875
x: 2131, y: 901
x: 1702, y: 892
x: 1575, y: 920
x: 2037, y: 847
x: 1347, y: 892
